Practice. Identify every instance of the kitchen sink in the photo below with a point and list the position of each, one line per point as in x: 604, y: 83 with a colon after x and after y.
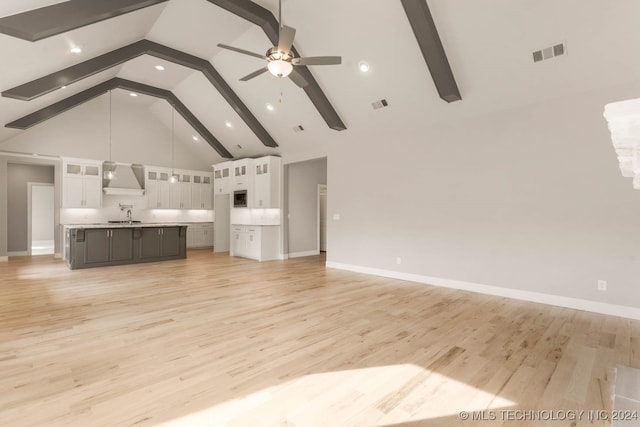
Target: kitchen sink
x: 124, y: 222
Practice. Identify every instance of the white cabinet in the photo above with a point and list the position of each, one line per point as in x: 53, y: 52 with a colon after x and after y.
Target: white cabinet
x: 222, y: 178
x: 180, y: 189
x: 185, y: 190
x: 259, y: 242
x: 200, y: 235
x: 157, y: 186
x: 266, y: 187
x: 201, y: 192
x: 261, y: 178
x: 81, y: 184
x: 242, y: 174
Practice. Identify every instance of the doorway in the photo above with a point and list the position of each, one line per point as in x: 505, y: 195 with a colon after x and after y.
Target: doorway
x: 41, y: 230
x: 322, y: 217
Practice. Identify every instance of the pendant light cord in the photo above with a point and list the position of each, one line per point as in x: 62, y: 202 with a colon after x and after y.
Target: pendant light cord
x: 110, y: 123
x: 173, y: 113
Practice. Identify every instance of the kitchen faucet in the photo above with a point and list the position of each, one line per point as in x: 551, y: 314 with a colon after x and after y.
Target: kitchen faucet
x: 129, y: 209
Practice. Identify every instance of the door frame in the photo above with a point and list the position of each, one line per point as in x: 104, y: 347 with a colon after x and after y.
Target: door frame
x: 30, y: 186
x: 322, y: 188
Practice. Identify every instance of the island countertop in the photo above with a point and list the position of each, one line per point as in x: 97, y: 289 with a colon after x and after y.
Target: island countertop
x: 127, y: 225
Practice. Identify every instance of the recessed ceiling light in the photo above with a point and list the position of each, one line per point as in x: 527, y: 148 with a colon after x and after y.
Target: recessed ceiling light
x: 133, y: 94
x: 159, y: 68
x: 363, y: 66
x: 75, y: 49
x: 228, y: 124
x: 270, y: 107
x: 195, y: 138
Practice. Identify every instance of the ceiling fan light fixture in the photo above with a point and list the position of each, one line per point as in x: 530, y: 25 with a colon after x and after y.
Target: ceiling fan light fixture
x: 280, y: 68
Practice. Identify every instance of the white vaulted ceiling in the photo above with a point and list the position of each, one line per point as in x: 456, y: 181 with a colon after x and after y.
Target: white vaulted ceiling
x: 488, y: 44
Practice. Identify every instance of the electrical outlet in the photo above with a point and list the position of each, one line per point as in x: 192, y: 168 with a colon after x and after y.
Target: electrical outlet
x: 602, y: 285
x: 398, y: 260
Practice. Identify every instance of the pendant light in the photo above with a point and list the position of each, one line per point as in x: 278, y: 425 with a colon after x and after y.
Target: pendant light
x: 173, y: 178
x: 110, y: 173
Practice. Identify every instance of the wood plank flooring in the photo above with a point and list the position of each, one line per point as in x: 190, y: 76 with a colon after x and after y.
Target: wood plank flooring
x: 218, y: 341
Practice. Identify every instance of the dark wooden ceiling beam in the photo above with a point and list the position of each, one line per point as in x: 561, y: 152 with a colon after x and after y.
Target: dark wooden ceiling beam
x: 59, y: 18
x: 262, y: 17
x: 115, y: 83
x: 432, y: 50
x: 65, y: 77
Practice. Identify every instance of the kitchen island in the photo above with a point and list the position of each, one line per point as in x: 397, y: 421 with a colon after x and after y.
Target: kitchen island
x: 99, y: 245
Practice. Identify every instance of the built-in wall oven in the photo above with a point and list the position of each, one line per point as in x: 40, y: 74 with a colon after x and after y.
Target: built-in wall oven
x: 240, y: 199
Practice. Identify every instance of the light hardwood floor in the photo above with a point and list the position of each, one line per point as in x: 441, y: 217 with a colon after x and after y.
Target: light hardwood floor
x: 220, y: 341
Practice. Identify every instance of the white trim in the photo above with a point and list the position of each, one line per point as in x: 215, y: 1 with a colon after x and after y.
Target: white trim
x: 560, y: 301
x: 4, y: 258
x: 322, y: 189
x: 57, y: 255
x: 304, y: 253
x: 18, y: 253
x: 283, y: 256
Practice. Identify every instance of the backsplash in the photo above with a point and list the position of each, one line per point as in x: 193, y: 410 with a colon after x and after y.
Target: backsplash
x: 110, y: 211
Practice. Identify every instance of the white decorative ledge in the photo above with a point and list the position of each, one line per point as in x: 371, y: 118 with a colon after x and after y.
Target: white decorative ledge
x: 624, y: 123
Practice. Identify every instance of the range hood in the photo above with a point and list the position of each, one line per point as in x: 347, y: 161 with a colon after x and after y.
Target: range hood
x: 121, y: 179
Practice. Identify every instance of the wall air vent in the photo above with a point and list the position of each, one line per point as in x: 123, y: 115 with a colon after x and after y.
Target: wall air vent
x: 379, y: 104
x: 549, y: 52
x: 298, y: 128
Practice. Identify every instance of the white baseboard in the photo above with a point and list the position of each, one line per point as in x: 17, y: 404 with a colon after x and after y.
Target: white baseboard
x: 283, y: 256
x: 301, y: 254
x: 560, y: 301
x: 57, y: 255
x: 4, y: 258
x: 18, y: 253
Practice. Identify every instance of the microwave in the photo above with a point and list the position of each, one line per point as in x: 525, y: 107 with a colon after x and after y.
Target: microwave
x: 240, y: 199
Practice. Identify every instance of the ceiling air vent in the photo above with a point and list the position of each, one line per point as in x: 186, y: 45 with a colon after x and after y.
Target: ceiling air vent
x: 298, y: 128
x: 379, y: 104
x: 549, y: 52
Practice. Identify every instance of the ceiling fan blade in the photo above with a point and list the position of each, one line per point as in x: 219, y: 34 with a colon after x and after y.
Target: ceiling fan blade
x: 246, y: 52
x: 285, y: 39
x: 298, y: 79
x: 317, y: 60
x: 254, y: 74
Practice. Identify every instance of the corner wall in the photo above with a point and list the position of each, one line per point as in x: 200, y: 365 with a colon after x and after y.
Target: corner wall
x: 526, y: 200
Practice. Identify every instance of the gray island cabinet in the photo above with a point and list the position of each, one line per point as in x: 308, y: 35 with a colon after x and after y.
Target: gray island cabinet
x: 103, y: 245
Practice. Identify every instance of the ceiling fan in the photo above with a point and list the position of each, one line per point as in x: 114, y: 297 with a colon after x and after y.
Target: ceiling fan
x: 281, y: 59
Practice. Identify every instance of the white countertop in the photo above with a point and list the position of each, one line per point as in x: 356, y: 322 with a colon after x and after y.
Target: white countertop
x: 126, y: 225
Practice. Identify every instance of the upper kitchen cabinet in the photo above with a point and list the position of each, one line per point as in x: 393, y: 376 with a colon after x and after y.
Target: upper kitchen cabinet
x: 222, y: 178
x: 81, y: 183
x: 242, y: 176
x: 261, y: 178
x: 157, y: 188
x: 202, y: 191
x: 266, y: 186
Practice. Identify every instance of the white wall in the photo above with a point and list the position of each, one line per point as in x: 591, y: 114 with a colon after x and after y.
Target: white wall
x: 528, y: 199
x: 83, y: 132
